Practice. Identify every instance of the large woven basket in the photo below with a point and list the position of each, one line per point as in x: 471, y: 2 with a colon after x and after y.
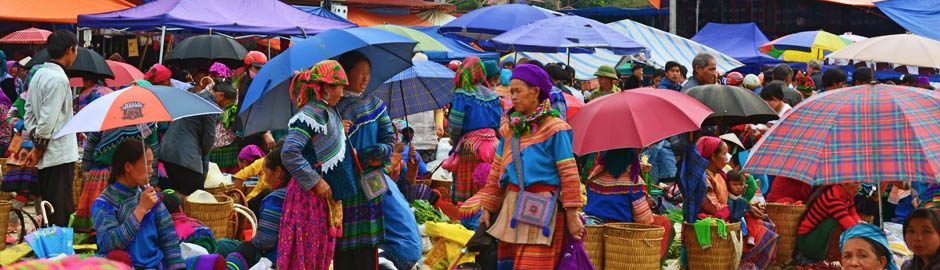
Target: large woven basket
x: 5, y: 207
x: 632, y: 246
x: 594, y: 245
x: 216, y: 216
x: 787, y: 219
x: 721, y: 254
x: 219, y: 190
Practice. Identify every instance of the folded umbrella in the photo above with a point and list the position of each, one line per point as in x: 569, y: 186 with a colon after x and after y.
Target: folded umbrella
x: 732, y: 105
x: 87, y: 63
x: 638, y: 118
x: 425, y: 86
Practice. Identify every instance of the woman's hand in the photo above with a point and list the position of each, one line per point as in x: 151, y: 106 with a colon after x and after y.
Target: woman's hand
x: 346, y: 125
x: 269, y: 141
x: 575, y: 227
x: 146, y: 201
x: 484, y: 218
x: 323, y: 190
x: 757, y: 212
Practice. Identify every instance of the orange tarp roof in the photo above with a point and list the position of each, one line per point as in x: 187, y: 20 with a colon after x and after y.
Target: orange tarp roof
x: 859, y: 3
x: 56, y: 11
x: 364, y: 18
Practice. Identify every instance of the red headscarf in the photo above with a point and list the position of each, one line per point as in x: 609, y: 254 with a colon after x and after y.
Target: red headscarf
x: 707, y: 146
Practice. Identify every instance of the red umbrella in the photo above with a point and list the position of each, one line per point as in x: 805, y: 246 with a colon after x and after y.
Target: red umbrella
x: 635, y: 119
x: 124, y: 75
x: 27, y: 36
x: 574, y: 105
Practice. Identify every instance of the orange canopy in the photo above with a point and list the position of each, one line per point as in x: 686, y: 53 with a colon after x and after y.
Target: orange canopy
x: 56, y: 11
x: 365, y: 19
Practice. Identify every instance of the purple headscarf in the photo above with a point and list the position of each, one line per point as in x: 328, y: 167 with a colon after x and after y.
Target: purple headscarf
x: 221, y: 70
x: 535, y: 76
x: 250, y: 153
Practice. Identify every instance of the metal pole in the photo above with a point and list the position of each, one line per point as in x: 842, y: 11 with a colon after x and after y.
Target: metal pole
x: 698, y: 6
x: 672, y: 16
x: 162, y: 42
x: 881, y: 223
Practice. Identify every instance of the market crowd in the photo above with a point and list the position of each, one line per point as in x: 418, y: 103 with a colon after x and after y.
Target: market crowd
x: 335, y: 187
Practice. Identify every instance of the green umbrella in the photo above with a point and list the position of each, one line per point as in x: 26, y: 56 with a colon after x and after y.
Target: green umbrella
x: 425, y: 42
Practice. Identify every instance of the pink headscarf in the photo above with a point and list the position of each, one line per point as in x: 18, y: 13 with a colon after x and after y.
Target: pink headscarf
x: 250, y: 153
x: 220, y: 70
x: 707, y: 146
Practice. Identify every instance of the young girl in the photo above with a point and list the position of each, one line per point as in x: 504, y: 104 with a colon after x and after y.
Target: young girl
x: 761, y: 244
x: 18, y: 178
x: 923, y: 238
x: 265, y: 242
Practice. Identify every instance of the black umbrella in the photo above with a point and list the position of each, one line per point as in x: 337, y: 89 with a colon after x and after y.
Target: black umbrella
x: 732, y: 105
x: 87, y: 63
x: 209, y: 48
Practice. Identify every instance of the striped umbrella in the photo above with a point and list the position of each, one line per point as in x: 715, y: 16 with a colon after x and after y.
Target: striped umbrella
x: 860, y: 134
x: 137, y: 105
x: 423, y: 87
x: 803, y: 46
x: 662, y: 46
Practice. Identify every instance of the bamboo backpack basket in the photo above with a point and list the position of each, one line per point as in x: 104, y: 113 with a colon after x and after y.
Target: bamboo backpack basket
x: 632, y: 246
x: 787, y: 219
x: 724, y: 253
x: 594, y: 245
x: 217, y: 216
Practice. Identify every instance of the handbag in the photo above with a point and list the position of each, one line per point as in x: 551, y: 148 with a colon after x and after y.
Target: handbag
x: 531, y: 208
x: 574, y: 256
x: 373, y: 182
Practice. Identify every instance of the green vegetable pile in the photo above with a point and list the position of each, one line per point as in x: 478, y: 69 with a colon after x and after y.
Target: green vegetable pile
x: 425, y: 212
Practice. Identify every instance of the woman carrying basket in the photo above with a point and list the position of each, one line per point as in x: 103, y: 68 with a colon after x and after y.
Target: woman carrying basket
x: 534, y: 162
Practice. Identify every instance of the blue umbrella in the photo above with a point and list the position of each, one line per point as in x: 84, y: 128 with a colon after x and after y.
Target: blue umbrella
x: 425, y: 86
x: 567, y: 34
x: 491, y: 21
x: 268, y: 98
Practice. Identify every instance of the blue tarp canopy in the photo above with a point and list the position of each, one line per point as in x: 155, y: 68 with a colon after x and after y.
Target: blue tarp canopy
x: 740, y: 41
x: 613, y: 14
x: 322, y: 13
x: 458, y: 49
x: 918, y: 16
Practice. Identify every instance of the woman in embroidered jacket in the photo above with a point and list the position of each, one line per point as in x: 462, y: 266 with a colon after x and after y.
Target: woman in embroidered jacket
x: 371, y: 132
x: 128, y: 216
x: 547, y: 168
x: 317, y: 156
x: 225, y: 149
x: 98, y: 150
x: 472, y: 123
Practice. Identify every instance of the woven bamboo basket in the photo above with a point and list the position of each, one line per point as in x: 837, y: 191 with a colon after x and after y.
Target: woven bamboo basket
x: 77, y: 184
x: 721, y: 254
x: 787, y: 219
x: 216, y: 216
x: 6, y: 196
x: 632, y: 246
x: 594, y: 245
x: 5, y: 207
x: 219, y: 190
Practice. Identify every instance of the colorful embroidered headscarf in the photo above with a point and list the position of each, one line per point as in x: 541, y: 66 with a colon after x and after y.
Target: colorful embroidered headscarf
x: 470, y: 74
x: 220, y: 70
x: 308, y: 83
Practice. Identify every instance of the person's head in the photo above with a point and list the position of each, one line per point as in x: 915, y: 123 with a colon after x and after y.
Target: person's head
x: 773, y: 95
x: 158, y: 75
x: 172, y: 201
x: 91, y: 81
x: 658, y: 76
x: 324, y: 82
x: 833, y: 79
x: 924, y: 82
x: 909, y: 80
x: 813, y: 66
x: 224, y: 92
x: 558, y: 74
x: 537, y: 63
x: 359, y: 70
x: 922, y: 235
x: 704, y: 68
x: 865, y: 247
x: 683, y: 73
x: 606, y: 77
x: 522, y: 61
x: 619, y: 161
x: 62, y: 47
x: 254, y: 60
x: 714, y: 150
x: 508, y: 63
x: 861, y: 76
x: 220, y: 71
x: 766, y: 77
x: 132, y: 163
x: 637, y: 71
x: 275, y: 171
x: 735, y: 183
x: 673, y: 71
x: 851, y: 188
x: 491, y: 68
x: 529, y: 86
x: 249, y: 154
x: 751, y: 82
x: 782, y: 72
x: 734, y: 78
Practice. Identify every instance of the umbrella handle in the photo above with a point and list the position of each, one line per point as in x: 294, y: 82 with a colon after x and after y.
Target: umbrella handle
x: 45, y: 217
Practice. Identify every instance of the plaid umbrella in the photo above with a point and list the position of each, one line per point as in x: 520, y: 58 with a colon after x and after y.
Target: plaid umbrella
x: 425, y: 86
x: 869, y: 133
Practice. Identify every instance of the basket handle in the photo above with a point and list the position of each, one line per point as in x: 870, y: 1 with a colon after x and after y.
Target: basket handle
x: 241, y: 209
x: 236, y: 195
x: 19, y: 214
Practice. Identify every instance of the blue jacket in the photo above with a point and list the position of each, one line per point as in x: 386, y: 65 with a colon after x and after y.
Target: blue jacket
x: 667, y: 84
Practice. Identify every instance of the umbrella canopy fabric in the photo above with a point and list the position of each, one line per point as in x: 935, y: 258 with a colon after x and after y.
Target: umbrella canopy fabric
x: 732, y: 105
x: 918, y: 17
x: 56, y: 11
x: 27, y: 36
x: 270, y: 17
x: 663, y: 46
x: 425, y: 42
x: 458, y: 49
x: 639, y: 117
x: 485, y: 23
x: 425, y: 86
x: 388, y: 53
x: 901, y: 49
x: 87, y: 63
x: 209, y: 47
x: 852, y: 37
x: 739, y: 41
x: 816, y: 43
x: 568, y: 32
x: 124, y: 75
x: 859, y: 134
x: 137, y: 105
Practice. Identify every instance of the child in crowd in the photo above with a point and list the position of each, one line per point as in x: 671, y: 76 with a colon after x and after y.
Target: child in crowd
x: 188, y: 229
x: 760, y: 236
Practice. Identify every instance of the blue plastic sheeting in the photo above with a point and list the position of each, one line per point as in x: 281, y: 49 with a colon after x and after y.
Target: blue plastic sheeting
x: 740, y: 41
x: 918, y: 16
x: 322, y: 13
x: 458, y: 49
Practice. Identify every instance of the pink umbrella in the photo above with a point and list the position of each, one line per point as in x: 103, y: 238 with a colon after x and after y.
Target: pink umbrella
x: 635, y: 119
x: 124, y: 75
x: 574, y: 105
x: 27, y: 36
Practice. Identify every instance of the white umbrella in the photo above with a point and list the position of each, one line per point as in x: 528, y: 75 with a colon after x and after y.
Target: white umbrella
x: 901, y: 49
x: 853, y: 37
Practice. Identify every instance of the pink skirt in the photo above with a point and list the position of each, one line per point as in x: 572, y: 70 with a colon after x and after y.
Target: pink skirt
x: 304, y: 241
